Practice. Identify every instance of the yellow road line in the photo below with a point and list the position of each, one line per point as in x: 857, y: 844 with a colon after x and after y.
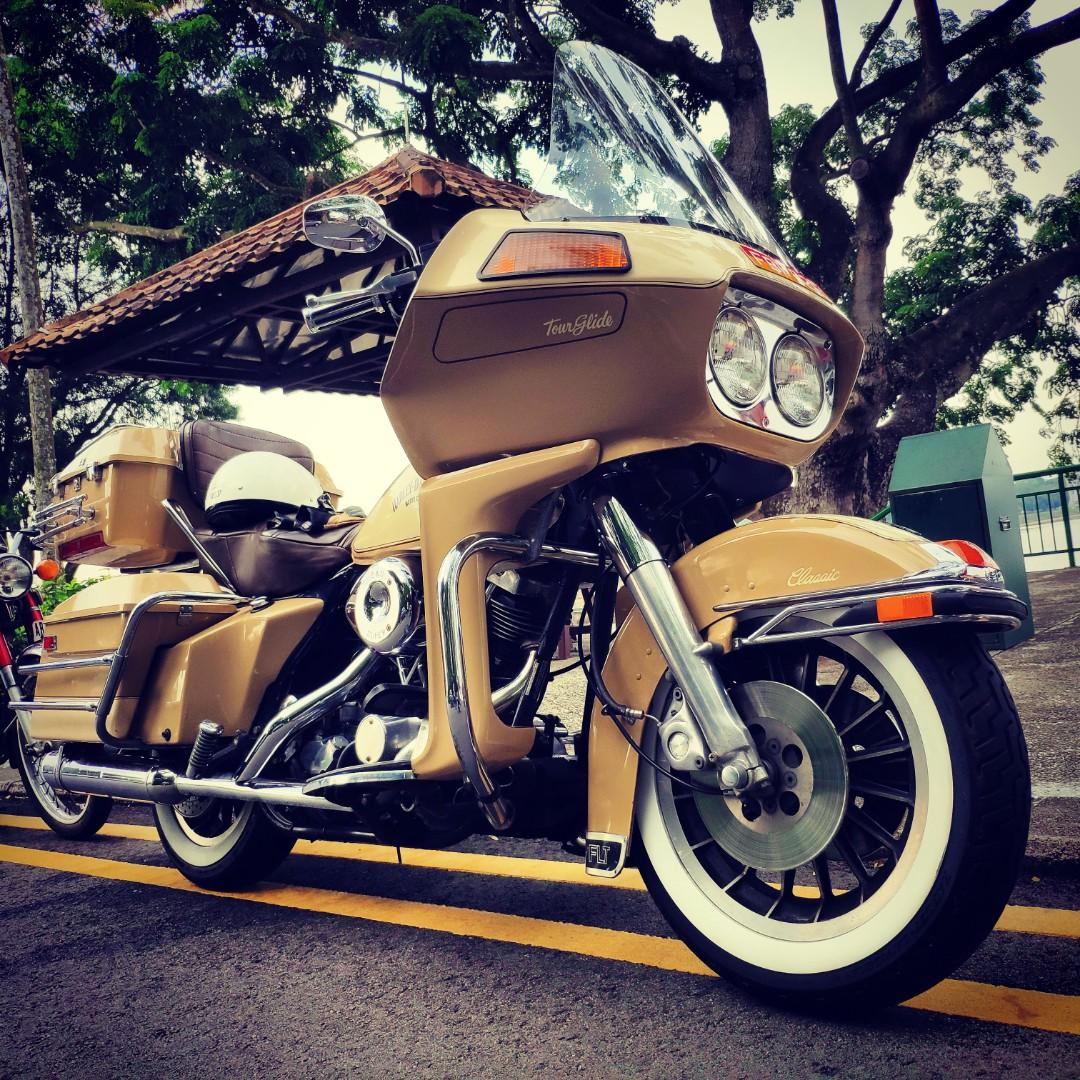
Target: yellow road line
x: 979, y: 1001
x: 1049, y: 922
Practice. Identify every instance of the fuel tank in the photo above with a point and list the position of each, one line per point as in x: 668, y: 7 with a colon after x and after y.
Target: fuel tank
x: 482, y: 367
x: 393, y: 526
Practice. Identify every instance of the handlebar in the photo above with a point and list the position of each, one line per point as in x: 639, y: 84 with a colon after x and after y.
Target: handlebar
x: 322, y: 313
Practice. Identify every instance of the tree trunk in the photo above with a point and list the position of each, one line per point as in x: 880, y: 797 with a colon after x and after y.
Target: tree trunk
x: 22, y: 234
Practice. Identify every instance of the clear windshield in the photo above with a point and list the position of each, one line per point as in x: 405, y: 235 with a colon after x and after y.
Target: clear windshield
x: 620, y: 148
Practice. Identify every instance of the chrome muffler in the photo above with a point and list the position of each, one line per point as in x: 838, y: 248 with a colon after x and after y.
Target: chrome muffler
x: 151, y: 783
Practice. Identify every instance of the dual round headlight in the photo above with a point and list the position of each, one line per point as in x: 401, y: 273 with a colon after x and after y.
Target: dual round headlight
x: 801, y: 376
x: 15, y: 577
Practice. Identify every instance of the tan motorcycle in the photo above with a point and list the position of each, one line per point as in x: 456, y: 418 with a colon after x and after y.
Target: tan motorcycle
x: 791, y: 726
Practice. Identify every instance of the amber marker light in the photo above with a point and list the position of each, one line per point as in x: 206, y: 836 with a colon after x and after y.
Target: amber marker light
x: 47, y: 569
x: 556, y: 251
x: 909, y: 606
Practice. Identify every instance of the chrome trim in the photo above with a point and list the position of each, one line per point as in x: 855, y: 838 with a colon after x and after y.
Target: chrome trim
x: 764, y: 634
x: 517, y: 685
x: 10, y: 683
x: 942, y: 572
x: 70, y: 665
x: 356, y: 776
x: 149, y: 783
x: 60, y: 705
x: 45, y: 520
x: 653, y: 588
x: 180, y: 519
x: 448, y: 603
x: 287, y: 721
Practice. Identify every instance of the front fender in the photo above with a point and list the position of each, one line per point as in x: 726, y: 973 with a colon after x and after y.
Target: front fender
x: 775, y: 560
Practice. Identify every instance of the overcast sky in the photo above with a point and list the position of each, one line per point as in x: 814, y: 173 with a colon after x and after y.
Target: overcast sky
x: 352, y: 436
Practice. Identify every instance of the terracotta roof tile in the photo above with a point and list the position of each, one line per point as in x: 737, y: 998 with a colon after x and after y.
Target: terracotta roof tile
x: 385, y: 183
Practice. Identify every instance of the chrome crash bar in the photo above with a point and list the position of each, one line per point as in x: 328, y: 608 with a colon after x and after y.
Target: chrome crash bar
x: 496, y: 809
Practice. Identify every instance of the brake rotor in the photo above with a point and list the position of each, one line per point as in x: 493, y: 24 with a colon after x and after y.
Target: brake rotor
x: 808, y: 764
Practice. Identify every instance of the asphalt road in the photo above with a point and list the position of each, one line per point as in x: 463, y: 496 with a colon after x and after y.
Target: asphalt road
x: 114, y: 968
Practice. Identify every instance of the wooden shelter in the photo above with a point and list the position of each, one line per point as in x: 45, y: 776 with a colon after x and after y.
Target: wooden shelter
x: 231, y: 313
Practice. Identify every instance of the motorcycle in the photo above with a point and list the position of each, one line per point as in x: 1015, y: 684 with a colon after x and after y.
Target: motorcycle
x: 791, y: 726
x: 22, y: 637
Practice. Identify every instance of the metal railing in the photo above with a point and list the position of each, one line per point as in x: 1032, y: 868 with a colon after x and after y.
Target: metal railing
x: 1049, y: 505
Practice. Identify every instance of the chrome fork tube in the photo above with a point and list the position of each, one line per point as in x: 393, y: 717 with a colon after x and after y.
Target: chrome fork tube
x: 649, y: 579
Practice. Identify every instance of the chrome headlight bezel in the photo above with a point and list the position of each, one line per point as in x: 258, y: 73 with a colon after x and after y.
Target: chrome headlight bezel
x: 16, y: 577
x: 822, y: 372
x: 774, y: 323
x: 758, y: 384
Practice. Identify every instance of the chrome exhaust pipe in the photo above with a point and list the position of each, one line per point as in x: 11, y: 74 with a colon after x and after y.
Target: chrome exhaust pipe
x: 151, y: 783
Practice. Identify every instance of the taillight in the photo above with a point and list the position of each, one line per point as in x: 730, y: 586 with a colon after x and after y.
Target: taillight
x: 556, y: 251
x: 83, y: 545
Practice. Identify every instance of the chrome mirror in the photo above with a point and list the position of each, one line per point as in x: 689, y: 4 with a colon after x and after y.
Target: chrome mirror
x: 345, y: 223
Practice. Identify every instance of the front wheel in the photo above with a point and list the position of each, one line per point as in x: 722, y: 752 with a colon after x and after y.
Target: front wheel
x: 894, y: 837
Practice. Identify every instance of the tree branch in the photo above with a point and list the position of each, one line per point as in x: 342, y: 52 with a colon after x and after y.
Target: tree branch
x: 844, y: 97
x: 871, y: 44
x: 398, y: 84
x: 933, y: 64
x: 174, y: 235
x: 263, y: 181
x: 370, y: 48
x: 655, y: 54
x: 951, y: 347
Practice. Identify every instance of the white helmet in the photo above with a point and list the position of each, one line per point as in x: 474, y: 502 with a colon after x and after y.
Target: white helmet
x: 251, y: 487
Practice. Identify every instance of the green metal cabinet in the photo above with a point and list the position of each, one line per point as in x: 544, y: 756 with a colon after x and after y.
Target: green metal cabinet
x: 958, y: 485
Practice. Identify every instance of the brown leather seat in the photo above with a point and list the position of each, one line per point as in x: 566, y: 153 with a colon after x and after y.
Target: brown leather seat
x: 280, y: 562
x: 205, y: 445
x: 260, y: 561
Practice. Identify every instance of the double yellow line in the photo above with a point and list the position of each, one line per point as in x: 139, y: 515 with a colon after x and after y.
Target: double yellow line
x: 1027, y: 1008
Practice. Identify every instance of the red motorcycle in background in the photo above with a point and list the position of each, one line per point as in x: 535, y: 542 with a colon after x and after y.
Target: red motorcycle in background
x: 22, y: 639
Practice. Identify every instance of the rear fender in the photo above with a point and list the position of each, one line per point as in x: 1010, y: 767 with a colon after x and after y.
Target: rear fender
x: 774, y: 571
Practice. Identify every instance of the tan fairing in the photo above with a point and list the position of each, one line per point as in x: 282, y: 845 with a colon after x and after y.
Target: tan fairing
x: 393, y: 526
x: 222, y: 673
x: 485, y: 498
x: 778, y: 558
x: 90, y: 623
x: 122, y: 476
x: 484, y: 368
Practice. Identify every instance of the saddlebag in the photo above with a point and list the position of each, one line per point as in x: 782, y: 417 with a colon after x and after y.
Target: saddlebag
x: 90, y: 624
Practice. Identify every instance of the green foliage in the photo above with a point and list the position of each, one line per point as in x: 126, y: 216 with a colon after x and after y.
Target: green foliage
x: 61, y: 589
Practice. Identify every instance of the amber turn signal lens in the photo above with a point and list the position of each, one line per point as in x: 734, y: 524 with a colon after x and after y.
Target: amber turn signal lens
x: 910, y: 606
x: 556, y: 251
x: 48, y: 569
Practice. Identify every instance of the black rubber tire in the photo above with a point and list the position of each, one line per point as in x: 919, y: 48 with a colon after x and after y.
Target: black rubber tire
x: 991, y: 814
x: 87, y: 824
x: 253, y: 854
